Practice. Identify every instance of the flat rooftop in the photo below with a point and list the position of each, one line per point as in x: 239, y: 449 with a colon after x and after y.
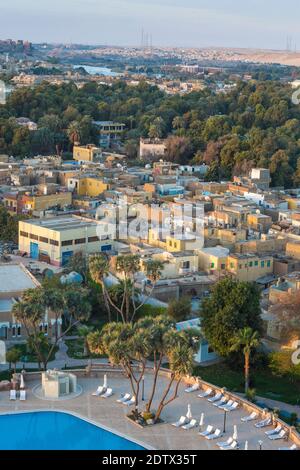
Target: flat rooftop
x: 14, y: 278
x: 60, y: 224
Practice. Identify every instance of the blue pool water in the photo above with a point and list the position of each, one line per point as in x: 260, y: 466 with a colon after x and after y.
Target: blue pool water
x: 57, y: 431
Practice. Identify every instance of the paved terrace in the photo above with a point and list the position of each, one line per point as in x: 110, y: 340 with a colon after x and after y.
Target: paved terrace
x: 161, y: 436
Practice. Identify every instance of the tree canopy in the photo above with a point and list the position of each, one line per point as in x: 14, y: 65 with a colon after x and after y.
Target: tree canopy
x: 231, y: 307
x: 255, y: 124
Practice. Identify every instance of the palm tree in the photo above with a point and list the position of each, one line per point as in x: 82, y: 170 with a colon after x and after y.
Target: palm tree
x: 123, y: 298
x: 73, y: 132
x: 99, y: 270
x: 83, y: 332
x: 246, y: 339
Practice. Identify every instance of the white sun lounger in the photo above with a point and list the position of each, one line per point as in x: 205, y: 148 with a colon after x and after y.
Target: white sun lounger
x: 129, y: 402
x: 22, y: 395
x: 217, y: 397
x: 272, y: 432
x: 123, y: 398
x: 209, y: 430
x: 251, y: 417
x: 233, y: 407
x: 225, y: 405
x: 221, y: 402
x: 281, y: 435
x: 293, y: 447
x: 215, y: 435
x: 99, y: 391
x: 233, y: 446
x: 191, y: 425
x: 12, y: 395
x: 182, y: 420
x: 206, y: 393
x: 226, y: 443
x: 264, y: 423
x: 109, y: 392
x: 192, y: 389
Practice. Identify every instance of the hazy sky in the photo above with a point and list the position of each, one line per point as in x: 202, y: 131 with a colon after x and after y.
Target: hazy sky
x: 233, y: 23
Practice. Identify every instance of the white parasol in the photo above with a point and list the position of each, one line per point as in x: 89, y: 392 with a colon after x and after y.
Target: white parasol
x: 189, y: 412
x: 235, y: 433
x: 22, y: 383
x: 105, y: 381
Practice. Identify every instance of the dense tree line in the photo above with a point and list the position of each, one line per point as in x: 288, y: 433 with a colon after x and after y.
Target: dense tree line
x: 256, y: 124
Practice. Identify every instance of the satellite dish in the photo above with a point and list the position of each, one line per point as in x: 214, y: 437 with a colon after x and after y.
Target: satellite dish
x: 257, y: 211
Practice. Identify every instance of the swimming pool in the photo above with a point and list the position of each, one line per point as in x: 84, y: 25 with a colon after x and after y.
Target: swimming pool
x: 51, y: 430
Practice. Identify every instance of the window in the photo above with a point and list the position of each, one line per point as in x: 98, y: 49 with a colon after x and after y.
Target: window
x: 24, y: 234
x: 67, y: 243
x: 269, y: 263
x: 93, y: 239
x: 256, y: 263
x: 262, y: 264
x: 44, y: 239
x: 212, y: 265
x: 34, y: 237
x: 54, y: 242
x: 250, y: 264
x: 13, y: 331
x: 223, y: 266
x: 231, y: 265
x: 80, y: 241
x: 19, y: 331
x: 186, y: 265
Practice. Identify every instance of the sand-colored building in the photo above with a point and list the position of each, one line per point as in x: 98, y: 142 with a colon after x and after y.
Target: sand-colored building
x: 87, y: 185
x: 86, y: 153
x: 42, y: 202
x: 213, y: 260
x: 151, y: 149
x: 259, y: 222
x: 293, y: 250
x: 249, y: 267
x: 263, y: 245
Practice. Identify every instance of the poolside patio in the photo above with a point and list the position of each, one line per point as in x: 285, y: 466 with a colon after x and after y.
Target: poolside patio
x: 108, y: 413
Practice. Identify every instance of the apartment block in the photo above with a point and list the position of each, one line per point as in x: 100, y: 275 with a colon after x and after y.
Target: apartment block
x: 249, y: 267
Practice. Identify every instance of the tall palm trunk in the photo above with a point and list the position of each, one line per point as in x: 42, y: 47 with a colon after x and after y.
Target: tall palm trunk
x: 107, y: 306
x: 247, y: 369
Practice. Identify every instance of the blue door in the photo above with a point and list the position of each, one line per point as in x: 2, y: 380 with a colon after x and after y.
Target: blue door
x: 34, y: 250
x: 66, y: 257
x: 106, y: 248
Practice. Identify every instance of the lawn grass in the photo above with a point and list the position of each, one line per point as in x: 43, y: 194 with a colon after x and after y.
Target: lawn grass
x: 265, y: 383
